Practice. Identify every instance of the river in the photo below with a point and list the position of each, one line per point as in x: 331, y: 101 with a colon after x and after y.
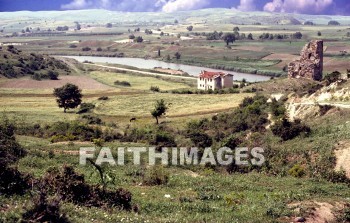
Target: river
x: 150, y: 64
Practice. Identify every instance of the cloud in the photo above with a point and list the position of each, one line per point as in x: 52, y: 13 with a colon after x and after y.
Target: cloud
x: 183, y: 5
x: 246, y: 5
x: 298, y: 6
x: 77, y: 4
x: 121, y: 5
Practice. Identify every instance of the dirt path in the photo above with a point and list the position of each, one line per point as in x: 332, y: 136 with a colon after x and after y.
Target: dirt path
x: 142, y: 72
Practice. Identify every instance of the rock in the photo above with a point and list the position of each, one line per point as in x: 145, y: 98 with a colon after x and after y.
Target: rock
x: 310, y: 64
x: 300, y: 219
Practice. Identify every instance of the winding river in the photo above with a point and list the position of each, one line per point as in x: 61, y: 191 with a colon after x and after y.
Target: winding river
x: 150, y: 64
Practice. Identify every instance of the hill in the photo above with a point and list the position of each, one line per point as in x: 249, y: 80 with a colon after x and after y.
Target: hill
x: 15, y: 63
x: 13, y: 20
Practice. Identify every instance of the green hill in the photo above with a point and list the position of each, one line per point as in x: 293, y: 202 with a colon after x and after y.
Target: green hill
x: 15, y: 63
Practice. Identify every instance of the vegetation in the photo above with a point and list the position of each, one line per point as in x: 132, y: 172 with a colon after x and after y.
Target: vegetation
x: 68, y: 97
x: 39, y: 147
x: 159, y: 110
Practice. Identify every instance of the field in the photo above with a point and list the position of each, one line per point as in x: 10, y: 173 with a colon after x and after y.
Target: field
x: 305, y: 173
x: 251, y: 56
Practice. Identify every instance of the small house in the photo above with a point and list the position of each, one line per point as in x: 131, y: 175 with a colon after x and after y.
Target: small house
x: 214, y: 80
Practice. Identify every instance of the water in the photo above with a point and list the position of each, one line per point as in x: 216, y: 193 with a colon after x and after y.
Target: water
x: 150, y: 64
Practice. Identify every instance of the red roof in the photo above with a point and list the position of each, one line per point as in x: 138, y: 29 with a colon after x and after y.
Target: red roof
x: 207, y: 74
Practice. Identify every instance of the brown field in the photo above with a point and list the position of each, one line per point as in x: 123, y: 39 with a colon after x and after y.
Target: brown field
x: 81, y: 81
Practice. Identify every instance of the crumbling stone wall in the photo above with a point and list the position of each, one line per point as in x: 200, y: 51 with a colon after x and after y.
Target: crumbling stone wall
x: 310, y: 65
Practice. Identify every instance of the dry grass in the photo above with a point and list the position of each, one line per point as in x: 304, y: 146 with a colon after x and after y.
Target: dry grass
x: 136, y: 81
x: 181, y: 105
x: 81, y: 81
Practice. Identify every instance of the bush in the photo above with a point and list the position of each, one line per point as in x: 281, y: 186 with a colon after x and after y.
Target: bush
x: 85, y: 107
x: 92, y: 120
x: 289, y: 130
x: 53, y: 75
x: 11, y: 180
x: 163, y: 139
x: 297, y: 171
x: 86, y: 48
x: 157, y: 175
x: 200, y: 139
x: 45, y: 210
x: 155, y: 89
x: 103, y: 98
x: 122, y: 83
x: 71, y: 187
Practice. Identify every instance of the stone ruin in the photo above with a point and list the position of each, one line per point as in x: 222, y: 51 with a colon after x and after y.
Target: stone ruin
x: 310, y: 64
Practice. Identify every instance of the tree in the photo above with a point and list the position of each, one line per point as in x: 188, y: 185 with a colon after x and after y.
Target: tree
x: 148, y: 31
x: 319, y: 33
x: 333, y: 23
x: 189, y: 28
x: 309, y: 23
x: 139, y: 39
x: 229, y: 38
x: 177, y: 55
x: 236, y: 29
x: 78, y: 26
x: 68, y: 97
x: 53, y: 75
x: 131, y: 36
x: 250, y: 36
x: 109, y: 25
x: 176, y: 21
x: 297, y: 35
x: 160, y: 109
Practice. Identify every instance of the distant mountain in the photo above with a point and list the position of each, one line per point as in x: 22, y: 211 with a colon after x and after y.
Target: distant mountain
x: 209, y: 16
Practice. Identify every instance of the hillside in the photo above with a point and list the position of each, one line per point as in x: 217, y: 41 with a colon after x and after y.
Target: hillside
x: 13, y: 20
x: 14, y: 63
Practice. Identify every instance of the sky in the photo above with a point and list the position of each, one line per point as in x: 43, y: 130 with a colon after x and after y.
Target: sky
x: 329, y: 7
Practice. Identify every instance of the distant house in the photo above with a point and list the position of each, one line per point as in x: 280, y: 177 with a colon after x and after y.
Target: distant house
x: 214, y: 80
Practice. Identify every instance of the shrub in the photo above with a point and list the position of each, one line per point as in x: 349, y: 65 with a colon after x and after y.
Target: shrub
x: 157, y: 175
x: 289, y: 130
x: 85, y: 107
x: 155, y: 89
x: 11, y: 180
x: 53, y: 75
x: 163, y: 139
x: 92, y: 120
x: 332, y: 77
x: 122, y: 83
x: 86, y: 48
x: 297, y: 171
x: 71, y: 187
x: 103, y: 98
x: 200, y: 139
x: 45, y: 210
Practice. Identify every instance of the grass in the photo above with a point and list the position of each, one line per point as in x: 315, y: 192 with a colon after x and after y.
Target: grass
x: 181, y: 105
x: 197, y: 194
x: 137, y: 82
x: 207, y: 196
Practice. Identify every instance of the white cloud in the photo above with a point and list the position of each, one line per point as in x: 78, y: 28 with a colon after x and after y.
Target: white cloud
x: 183, y: 5
x: 298, y: 6
x: 121, y: 5
x: 246, y: 5
x: 77, y: 4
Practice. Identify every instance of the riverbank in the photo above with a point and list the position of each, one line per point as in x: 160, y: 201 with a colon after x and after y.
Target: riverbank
x: 151, y: 64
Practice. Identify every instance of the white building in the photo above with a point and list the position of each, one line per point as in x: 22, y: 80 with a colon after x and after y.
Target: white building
x: 214, y: 80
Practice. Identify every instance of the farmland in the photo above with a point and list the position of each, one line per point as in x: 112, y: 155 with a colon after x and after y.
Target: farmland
x: 304, y: 174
